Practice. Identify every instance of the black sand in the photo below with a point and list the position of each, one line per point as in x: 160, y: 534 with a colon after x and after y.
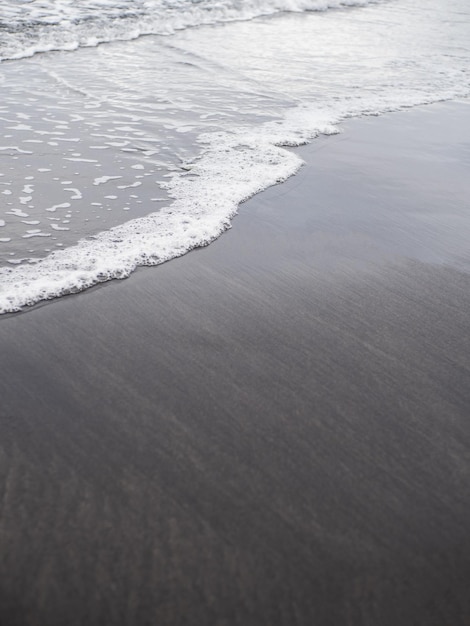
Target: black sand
x: 272, y: 430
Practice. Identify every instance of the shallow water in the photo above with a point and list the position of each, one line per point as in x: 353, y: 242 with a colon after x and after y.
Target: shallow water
x: 134, y: 152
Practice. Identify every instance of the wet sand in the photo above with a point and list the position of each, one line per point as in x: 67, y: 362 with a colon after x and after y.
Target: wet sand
x: 273, y: 430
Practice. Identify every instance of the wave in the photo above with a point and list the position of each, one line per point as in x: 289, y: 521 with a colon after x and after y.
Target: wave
x: 234, y: 167
x: 28, y: 27
x: 330, y: 82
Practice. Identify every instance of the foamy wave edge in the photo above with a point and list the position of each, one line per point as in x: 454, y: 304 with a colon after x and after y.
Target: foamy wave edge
x: 71, y: 36
x: 233, y: 167
x: 206, y: 194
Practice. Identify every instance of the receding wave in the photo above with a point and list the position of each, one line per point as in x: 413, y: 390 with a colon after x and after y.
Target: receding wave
x: 202, y: 118
x: 234, y: 167
x: 28, y: 27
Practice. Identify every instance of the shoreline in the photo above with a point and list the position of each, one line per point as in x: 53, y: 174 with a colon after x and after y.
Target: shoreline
x: 362, y: 122
x: 269, y: 430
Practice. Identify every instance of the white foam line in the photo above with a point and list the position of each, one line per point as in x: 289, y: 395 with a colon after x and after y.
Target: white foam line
x: 64, y: 205
x: 57, y: 227
x: 15, y: 149
x: 201, y: 212
x: 78, y: 160
x: 136, y: 184
x: 104, y: 179
x: 234, y: 167
x: 77, y: 194
x: 40, y: 234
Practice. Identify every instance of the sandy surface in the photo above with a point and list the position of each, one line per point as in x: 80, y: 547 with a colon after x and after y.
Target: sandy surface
x: 272, y: 430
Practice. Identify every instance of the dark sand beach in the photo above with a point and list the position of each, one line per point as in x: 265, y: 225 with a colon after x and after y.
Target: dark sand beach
x: 273, y: 430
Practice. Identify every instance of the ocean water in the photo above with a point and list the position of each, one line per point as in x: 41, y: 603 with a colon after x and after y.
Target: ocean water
x: 131, y: 130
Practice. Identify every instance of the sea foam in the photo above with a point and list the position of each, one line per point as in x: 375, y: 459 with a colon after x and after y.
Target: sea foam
x: 241, y: 102
x: 232, y: 168
x: 28, y: 27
